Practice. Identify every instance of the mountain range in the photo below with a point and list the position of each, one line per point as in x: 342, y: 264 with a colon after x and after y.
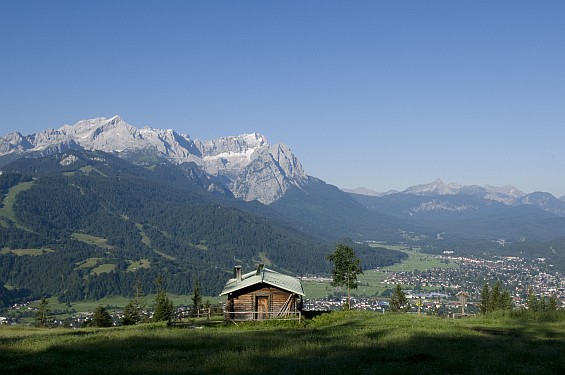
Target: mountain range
x: 247, y: 165
x: 507, y: 194
x: 89, y: 207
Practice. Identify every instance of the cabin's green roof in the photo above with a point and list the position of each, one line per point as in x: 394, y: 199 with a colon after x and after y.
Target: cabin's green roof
x: 267, y: 276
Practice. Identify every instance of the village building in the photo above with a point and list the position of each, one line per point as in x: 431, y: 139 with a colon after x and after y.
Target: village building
x: 263, y: 294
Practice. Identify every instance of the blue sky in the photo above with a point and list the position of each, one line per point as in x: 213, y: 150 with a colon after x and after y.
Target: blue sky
x: 378, y: 94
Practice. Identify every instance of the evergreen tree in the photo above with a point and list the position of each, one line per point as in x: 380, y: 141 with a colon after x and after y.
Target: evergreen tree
x: 163, y: 305
x: 532, y: 301
x: 196, y: 297
x: 131, y: 314
x: 138, y: 303
x: 101, y: 317
x: 495, y: 301
x: 398, y: 300
x: 43, y: 313
x: 506, y: 301
x: 542, y: 304
x: 485, y: 299
x: 495, y: 298
x: 552, y: 304
x: 346, y: 267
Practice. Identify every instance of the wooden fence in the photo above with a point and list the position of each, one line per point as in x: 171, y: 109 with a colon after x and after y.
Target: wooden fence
x: 240, y: 316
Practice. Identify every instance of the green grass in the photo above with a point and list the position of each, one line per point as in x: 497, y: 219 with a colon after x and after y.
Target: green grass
x: 200, y: 246
x: 316, y: 289
x: 119, y: 302
x: 370, y: 281
x: 134, y: 265
x: 147, y: 242
x: 336, y: 343
x: 144, y: 237
x: 97, y: 266
x: 89, y: 169
x: 7, y: 209
x: 84, y: 306
x: 166, y: 256
x: 418, y: 261
x: 103, y: 268
x: 263, y: 259
x: 29, y: 252
x: 92, y: 240
x: 89, y: 263
x: 370, y: 286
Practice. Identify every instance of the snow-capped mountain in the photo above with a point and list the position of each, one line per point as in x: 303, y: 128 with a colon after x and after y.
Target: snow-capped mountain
x: 109, y: 135
x: 250, y: 167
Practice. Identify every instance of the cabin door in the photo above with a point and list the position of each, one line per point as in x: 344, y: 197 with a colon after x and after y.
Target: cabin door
x: 262, y: 308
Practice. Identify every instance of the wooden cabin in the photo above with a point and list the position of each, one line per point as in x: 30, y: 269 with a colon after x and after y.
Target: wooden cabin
x: 262, y: 294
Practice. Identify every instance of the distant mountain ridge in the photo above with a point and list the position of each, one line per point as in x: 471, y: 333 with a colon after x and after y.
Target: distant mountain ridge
x: 507, y: 194
x: 247, y: 165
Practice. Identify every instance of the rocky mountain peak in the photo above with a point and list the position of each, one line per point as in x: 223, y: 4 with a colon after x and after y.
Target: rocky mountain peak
x: 246, y: 164
x: 225, y: 146
x: 436, y: 187
x: 505, y: 194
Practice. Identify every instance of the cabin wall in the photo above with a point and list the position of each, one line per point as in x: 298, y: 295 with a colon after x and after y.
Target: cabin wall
x: 246, y: 300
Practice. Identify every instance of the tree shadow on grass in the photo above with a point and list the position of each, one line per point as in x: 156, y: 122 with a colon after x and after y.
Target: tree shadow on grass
x: 351, y: 346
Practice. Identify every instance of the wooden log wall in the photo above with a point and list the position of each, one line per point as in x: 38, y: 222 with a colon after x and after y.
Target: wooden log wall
x: 277, y: 299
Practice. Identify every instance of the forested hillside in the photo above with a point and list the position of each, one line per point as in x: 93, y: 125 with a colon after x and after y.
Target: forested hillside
x: 87, y: 224
x: 324, y: 210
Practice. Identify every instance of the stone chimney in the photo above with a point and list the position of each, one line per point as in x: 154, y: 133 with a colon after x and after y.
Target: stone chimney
x: 237, y: 273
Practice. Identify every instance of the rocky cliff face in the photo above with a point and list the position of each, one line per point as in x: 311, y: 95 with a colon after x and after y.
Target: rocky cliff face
x: 247, y: 165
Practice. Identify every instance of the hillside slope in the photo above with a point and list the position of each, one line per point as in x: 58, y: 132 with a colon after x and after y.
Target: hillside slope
x: 84, y: 224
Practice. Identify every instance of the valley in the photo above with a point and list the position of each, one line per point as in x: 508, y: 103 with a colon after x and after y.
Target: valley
x: 431, y: 279
x: 91, y: 208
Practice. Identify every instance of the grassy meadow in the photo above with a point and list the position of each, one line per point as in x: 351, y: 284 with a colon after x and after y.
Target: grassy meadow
x: 370, y: 283
x: 7, y: 209
x: 332, y: 343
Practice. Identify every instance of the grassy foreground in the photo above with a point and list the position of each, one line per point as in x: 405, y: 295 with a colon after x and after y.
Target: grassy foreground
x: 340, y: 342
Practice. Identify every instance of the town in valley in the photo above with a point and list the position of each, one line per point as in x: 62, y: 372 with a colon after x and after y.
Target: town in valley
x: 430, y: 291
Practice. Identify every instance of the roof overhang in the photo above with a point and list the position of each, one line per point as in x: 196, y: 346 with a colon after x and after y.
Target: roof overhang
x: 266, y: 276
